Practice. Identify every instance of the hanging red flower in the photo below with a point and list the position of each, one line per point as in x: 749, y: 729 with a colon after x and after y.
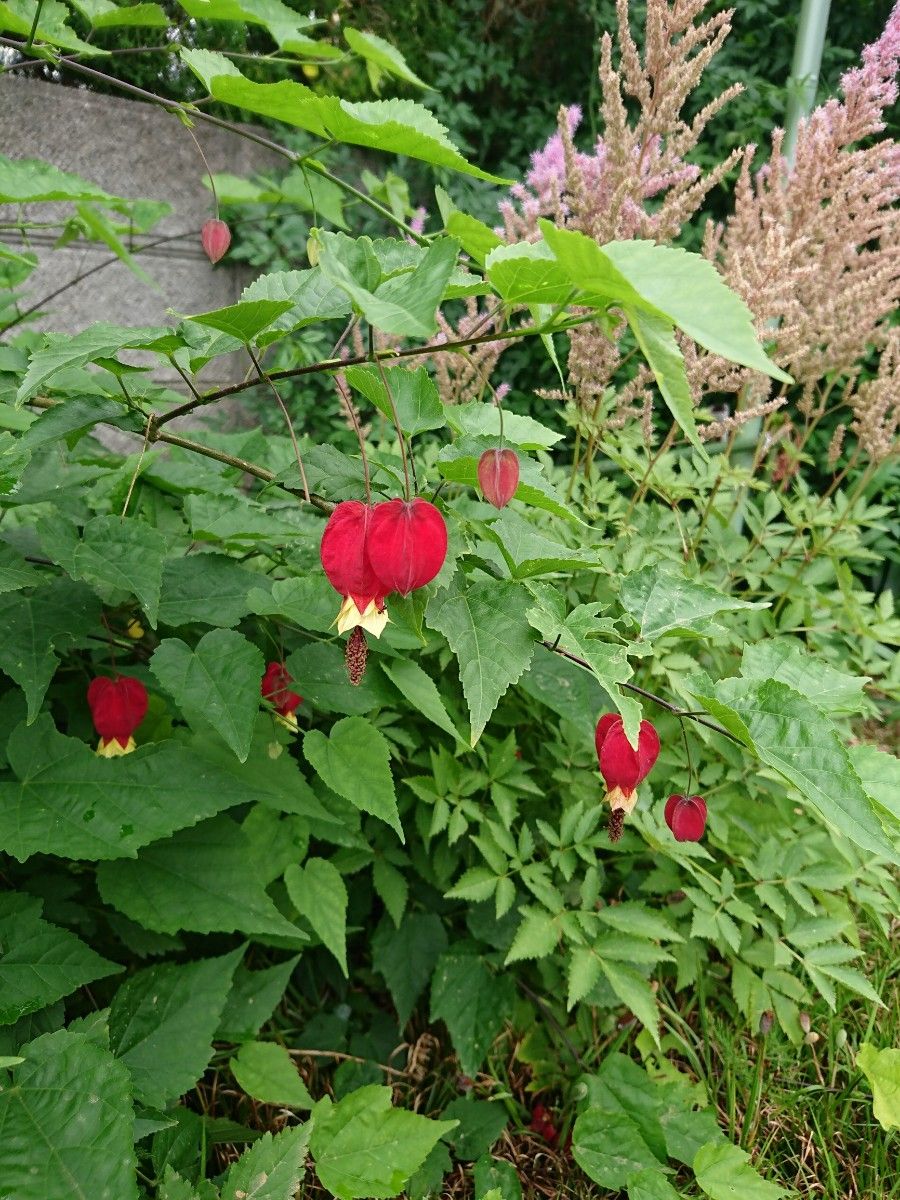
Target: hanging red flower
x: 623, y: 767
x: 344, y: 554
x: 686, y: 817
x: 275, y: 688
x: 215, y: 237
x: 407, y: 544
x: 117, y: 708
x: 498, y: 476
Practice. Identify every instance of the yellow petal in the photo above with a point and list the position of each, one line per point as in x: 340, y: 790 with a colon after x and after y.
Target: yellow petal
x: 288, y: 720
x: 114, y: 748
x: 373, y: 620
x: 624, y: 800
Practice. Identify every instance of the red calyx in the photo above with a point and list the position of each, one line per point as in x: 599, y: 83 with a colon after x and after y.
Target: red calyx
x: 498, y: 476
x: 542, y: 1124
x: 686, y: 817
x: 621, y: 765
x: 216, y: 238
x: 275, y: 688
x: 344, y: 554
x: 117, y: 707
x: 407, y: 544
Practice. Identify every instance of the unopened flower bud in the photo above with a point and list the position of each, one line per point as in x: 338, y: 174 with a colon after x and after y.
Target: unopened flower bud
x: 498, y: 476
x: 216, y: 238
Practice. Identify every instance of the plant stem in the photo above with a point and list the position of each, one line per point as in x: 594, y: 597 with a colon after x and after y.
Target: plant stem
x: 287, y: 417
x: 351, y: 413
x: 396, y: 419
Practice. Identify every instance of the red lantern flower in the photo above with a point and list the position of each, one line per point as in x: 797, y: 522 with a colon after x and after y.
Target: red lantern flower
x: 117, y: 708
x: 498, y: 476
x: 686, y: 817
x: 216, y: 238
x: 623, y: 767
x: 407, y: 544
x: 345, y: 559
x: 276, y: 689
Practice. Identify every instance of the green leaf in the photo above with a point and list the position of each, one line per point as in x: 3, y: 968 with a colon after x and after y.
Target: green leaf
x: 115, y: 555
x: 527, y: 273
x: 609, y: 1147
x: 566, y: 689
x: 354, y: 761
x: 472, y: 1002
x: 665, y: 281
x: 392, y: 888
x: 406, y: 956
x: 15, y: 572
x: 28, y: 180
x: 479, y: 1124
x: 215, y: 685
x: 207, y: 589
x: 723, y: 1171
x: 650, y: 1185
x: 39, y: 962
x: 74, y: 350
x: 529, y: 552
x: 245, y: 320
x: 364, y: 1147
x: 414, y: 392
x: 420, y: 691
x: 381, y: 54
x: 73, y: 804
x: 253, y: 998
x: 477, y: 419
x: 656, y: 338
x: 201, y: 879
x: 53, y: 618
x: 404, y: 304
x: 880, y: 776
x: 323, y: 669
x: 312, y: 297
x: 882, y: 1069
x: 271, y: 1169
x: 536, y: 937
x: 790, y: 735
x: 635, y: 992
x: 785, y: 660
x: 66, y: 1123
x: 48, y: 19
x: 104, y: 14
x: 319, y: 894
x: 392, y: 126
x: 265, y: 1071
x: 485, y: 624
x: 162, y: 1021
x: 662, y: 601
x: 476, y: 238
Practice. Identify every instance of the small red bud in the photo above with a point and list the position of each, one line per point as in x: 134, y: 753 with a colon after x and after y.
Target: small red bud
x: 275, y: 688
x: 216, y: 238
x: 407, y: 544
x: 498, y: 476
x: 686, y: 817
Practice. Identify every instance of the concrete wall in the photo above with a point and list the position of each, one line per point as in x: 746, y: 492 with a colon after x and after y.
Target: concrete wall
x: 137, y: 151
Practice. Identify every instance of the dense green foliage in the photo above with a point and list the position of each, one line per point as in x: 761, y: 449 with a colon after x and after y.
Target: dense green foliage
x: 250, y: 957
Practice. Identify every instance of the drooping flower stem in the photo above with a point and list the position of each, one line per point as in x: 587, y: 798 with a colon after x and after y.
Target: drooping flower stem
x: 354, y: 420
x: 264, y: 378
x: 396, y: 418
x: 212, y: 182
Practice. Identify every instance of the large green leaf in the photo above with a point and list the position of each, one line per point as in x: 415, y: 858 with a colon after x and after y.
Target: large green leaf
x: 527, y: 273
x: 723, y: 1171
x: 27, y: 180
x: 115, y: 555
x: 529, y: 552
x: 610, y: 1147
x: 472, y: 1002
x: 362, y: 1146
x: 162, y: 1021
x: 39, y: 962
x: 15, y: 572
x: 354, y: 761
x: 420, y: 691
x: 319, y: 894
x: 252, y: 1000
x: 74, y: 350
x: 104, y: 14
x: 287, y: 27
x: 271, y: 1169
x: 266, y: 1072
x: 49, y: 21
x: 71, y: 803
x: 66, y: 1123
x: 486, y: 626
x: 246, y: 320
x: 793, y: 737
x: 478, y: 419
x: 880, y: 776
x: 52, y: 618
x: 662, y: 601
x: 311, y: 295
x: 392, y: 126
x: 665, y: 282
x: 406, y: 956
x: 882, y: 1070
x: 217, y: 684
x: 786, y: 660
x: 200, y: 879
x: 209, y: 589
x: 414, y: 393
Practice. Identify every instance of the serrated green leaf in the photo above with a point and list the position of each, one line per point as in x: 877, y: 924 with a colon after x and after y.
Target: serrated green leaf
x: 39, y: 962
x: 364, y: 1147
x: 485, y: 624
x: 882, y: 1069
x: 319, y: 894
x: 530, y: 552
x: 245, y: 320
x: 354, y: 761
x: 47, y: 21
x: 287, y: 27
x: 420, y: 691
x: 207, y: 589
x: 723, y: 1171
x: 382, y: 54
x: 392, y: 888
x: 661, y: 601
x: 216, y: 685
x: 635, y: 992
x: 536, y: 937
x: 584, y: 971
x: 71, y: 803
x: 118, y: 554
x: 201, y: 879
x: 253, y: 998
x: 472, y: 1002
x: 104, y: 14
x: 785, y: 660
x: 526, y: 273
x: 162, y: 1021
x: 609, y: 1147
x: 265, y: 1071
x: 29, y: 180
x: 476, y: 238
x: 271, y: 1169
x: 414, y: 393
x: 656, y: 338
x: 74, y: 350
x: 879, y: 773
x: 406, y: 957
x: 312, y: 297
x: 477, y: 419
x: 66, y: 1123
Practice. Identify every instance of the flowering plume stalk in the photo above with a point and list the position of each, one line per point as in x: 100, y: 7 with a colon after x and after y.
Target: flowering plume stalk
x: 117, y: 708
